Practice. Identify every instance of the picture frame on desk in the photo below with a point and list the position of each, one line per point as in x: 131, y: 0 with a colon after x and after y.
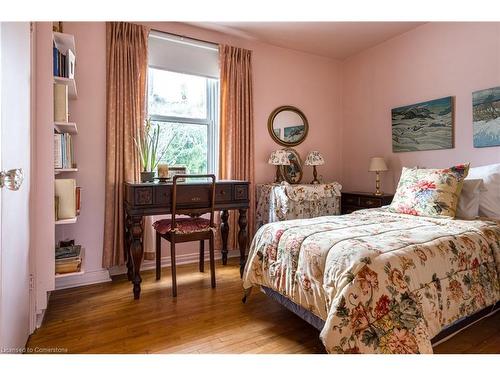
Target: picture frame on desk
x: 172, y: 171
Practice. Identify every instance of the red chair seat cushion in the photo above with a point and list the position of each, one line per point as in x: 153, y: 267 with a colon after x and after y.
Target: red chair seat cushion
x: 183, y: 225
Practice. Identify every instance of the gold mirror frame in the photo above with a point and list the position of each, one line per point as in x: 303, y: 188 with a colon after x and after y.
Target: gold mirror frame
x: 271, y: 129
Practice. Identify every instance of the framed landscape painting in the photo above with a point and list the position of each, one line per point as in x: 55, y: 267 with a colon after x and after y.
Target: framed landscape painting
x: 294, y: 133
x: 486, y: 117
x: 423, y: 126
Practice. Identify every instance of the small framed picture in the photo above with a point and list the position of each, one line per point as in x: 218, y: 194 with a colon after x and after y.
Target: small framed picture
x: 172, y: 171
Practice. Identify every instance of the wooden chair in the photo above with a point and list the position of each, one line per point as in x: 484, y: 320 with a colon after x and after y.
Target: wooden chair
x: 187, y: 229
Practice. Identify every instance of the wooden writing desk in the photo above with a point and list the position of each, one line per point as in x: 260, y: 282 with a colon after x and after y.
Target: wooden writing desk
x: 146, y: 199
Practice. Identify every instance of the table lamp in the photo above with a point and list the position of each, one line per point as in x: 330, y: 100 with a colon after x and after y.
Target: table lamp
x: 277, y: 158
x: 377, y: 165
x: 314, y: 158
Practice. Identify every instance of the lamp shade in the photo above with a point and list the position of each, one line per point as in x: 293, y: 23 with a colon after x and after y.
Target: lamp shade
x: 279, y: 157
x: 314, y: 158
x: 377, y: 164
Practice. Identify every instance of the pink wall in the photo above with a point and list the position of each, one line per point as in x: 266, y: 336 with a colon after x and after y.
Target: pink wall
x: 89, y: 113
x: 286, y: 77
x: 281, y: 77
x: 432, y: 61
x: 347, y: 104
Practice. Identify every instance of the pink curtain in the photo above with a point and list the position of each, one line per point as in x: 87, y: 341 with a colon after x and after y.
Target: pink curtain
x: 236, y: 158
x: 126, y: 68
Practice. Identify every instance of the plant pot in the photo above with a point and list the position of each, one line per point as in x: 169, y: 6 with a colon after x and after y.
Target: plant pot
x: 147, y: 176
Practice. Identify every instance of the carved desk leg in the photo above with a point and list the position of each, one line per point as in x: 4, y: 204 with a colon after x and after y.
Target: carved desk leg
x: 242, y: 238
x: 224, y: 230
x: 127, y: 243
x: 137, y: 251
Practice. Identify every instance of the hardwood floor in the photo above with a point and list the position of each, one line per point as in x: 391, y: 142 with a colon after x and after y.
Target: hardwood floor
x: 105, y: 318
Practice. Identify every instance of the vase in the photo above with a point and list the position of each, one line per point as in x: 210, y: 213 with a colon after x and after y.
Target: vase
x: 147, y: 176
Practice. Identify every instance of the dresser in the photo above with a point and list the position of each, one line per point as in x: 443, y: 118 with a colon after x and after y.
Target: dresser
x: 283, y: 201
x: 355, y: 200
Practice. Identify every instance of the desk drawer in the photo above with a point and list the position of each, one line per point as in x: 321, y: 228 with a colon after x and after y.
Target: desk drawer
x: 349, y: 200
x: 241, y: 192
x: 163, y: 195
x: 193, y: 194
x: 370, y: 202
x: 223, y: 193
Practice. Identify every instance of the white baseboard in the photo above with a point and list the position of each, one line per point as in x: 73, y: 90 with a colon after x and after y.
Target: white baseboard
x: 165, y: 261
x: 39, y: 318
x: 87, y: 278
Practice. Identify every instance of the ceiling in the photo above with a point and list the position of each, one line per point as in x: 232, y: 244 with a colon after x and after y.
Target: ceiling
x: 337, y: 40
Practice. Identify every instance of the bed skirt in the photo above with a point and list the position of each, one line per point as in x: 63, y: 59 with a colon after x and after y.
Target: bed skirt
x: 442, y: 336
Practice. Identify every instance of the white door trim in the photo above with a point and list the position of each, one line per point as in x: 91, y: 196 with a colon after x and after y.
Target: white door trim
x: 1, y: 273
x: 32, y: 254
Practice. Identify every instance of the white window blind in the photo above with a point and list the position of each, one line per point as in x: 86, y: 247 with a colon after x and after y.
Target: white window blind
x: 183, y: 55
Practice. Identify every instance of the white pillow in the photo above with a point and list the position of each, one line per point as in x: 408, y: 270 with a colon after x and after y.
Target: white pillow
x: 489, y: 202
x: 468, y: 202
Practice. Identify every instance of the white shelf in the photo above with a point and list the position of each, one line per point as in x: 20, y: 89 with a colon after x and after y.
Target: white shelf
x: 70, y: 82
x: 66, y: 127
x: 65, y: 170
x: 67, y: 221
x: 64, y: 42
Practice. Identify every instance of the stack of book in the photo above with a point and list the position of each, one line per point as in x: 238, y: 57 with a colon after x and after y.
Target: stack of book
x: 69, y: 259
x: 64, y: 64
x: 63, y: 151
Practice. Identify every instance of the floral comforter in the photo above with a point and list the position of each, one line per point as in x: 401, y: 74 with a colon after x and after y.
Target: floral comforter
x: 382, y: 282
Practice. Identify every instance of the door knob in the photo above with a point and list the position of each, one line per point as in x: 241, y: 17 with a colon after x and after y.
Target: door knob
x: 12, y: 179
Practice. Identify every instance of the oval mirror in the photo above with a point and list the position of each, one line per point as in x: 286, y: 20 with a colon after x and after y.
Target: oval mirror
x: 288, y: 126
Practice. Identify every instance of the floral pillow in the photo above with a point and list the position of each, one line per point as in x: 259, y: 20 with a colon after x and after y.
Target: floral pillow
x: 429, y: 192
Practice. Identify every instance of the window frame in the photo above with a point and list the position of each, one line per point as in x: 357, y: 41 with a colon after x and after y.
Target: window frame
x: 211, y: 121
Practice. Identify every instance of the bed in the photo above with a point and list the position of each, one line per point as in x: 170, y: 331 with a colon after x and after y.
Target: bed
x: 376, y: 281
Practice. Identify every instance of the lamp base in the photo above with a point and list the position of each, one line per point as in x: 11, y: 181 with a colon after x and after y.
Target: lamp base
x: 378, y: 192
x: 279, y: 176
x: 315, y: 176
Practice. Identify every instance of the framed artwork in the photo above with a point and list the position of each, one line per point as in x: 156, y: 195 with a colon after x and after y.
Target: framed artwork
x: 486, y: 117
x: 423, y: 126
x: 292, y: 173
x: 172, y: 171
x: 293, y: 134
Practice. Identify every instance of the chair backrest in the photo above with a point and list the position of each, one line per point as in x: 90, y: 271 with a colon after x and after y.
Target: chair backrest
x: 200, y: 198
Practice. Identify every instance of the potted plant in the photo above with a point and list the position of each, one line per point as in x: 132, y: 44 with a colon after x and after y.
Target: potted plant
x: 147, y: 145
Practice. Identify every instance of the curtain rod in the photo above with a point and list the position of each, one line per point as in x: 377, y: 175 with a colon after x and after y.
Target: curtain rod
x: 184, y: 36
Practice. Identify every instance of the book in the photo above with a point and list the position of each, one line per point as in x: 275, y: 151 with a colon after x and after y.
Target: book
x: 63, y: 151
x: 58, y: 160
x: 70, y: 64
x: 55, y: 60
x: 68, y: 266
x: 78, y: 195
x: 68, y: 252
x: 68, y: 258
x: 60, y: 103
x: 65, y: 190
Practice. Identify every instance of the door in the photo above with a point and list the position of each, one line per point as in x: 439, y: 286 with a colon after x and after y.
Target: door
x: 15, y: 146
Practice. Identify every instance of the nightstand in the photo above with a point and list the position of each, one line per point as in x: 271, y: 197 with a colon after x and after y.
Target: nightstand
x: 356, y: 200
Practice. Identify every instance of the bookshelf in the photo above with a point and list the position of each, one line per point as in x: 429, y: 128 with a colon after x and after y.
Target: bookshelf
x: 67, y: 221
x: 65, y: 170
x: 64, y: 133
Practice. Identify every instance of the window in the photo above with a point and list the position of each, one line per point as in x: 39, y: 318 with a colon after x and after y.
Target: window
x: 185, y: 106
